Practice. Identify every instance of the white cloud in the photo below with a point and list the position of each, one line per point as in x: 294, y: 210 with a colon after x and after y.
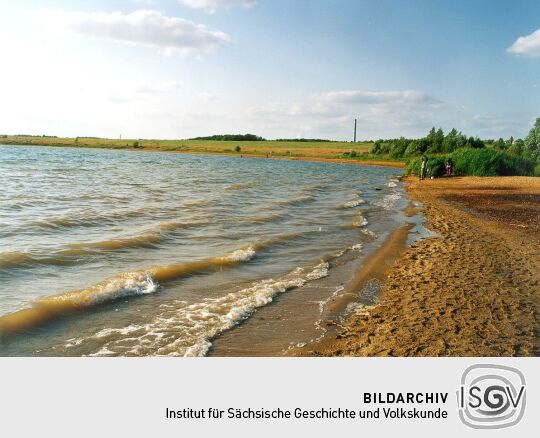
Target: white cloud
x: 378, y: 97
x: 205, y: 96
x: 380, y: 114
x: 212, y: 5
x: 158, y: 88
x: 147, y: 28
x: 128, y: 93
x: 527, y: 45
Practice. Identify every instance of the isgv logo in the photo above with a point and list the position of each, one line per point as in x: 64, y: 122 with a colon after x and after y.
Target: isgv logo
x: 491, y: 396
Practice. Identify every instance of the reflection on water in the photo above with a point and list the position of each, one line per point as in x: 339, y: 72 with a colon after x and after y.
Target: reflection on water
x: 133, y: 253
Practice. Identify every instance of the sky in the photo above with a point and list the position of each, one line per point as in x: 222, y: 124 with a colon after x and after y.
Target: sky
x: 167, y: 69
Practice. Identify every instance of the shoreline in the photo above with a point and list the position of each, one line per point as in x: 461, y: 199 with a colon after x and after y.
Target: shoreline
x: 471, y: 291
x: 395, y: 164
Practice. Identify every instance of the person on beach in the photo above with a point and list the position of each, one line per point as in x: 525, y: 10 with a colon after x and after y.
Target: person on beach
x: 449, y: 166
x: 423, y: 167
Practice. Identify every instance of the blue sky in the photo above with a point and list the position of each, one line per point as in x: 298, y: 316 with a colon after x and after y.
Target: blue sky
x: 297, y: 68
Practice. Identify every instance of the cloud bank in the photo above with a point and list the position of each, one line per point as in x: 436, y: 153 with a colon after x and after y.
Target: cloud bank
x: 146, y: 28
x: 527, y: 45
x: 378, y: 97
x: 212, y: 5
x: 330, y: 114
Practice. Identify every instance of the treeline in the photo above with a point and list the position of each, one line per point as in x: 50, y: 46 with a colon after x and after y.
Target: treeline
x: 433, y: 143
x: 470, y: 156
x: 231, y: 137
x: 29, y: 136
x: 318, y: 140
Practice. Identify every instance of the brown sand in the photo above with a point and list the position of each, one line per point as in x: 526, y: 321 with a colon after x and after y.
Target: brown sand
x: 473, y: 291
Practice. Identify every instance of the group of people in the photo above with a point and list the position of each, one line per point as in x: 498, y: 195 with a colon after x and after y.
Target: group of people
x: 449, y: 167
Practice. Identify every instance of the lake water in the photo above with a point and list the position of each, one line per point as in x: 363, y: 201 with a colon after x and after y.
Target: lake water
x: 131, y: 253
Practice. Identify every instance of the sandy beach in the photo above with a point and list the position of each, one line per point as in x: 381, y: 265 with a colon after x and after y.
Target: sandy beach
x: 472, y: 291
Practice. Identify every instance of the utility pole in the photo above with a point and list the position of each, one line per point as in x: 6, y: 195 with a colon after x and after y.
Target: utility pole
x: 354, y: 141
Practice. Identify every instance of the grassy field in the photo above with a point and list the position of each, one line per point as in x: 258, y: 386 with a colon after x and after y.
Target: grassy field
x: 285, y: 149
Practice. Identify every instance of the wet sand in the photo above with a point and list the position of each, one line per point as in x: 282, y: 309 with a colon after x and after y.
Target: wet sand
x: 472, y: 291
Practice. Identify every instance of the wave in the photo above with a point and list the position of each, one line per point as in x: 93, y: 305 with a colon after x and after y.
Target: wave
x: 240, y: 186
x: 49, y: 308
x: 127, y: 284
x: 189, y: 329
x: 263, y: 219
x: 296, y: 201
x: 388, y: 202
x: 353, y: 202
x: 70, y: 253
x: 371, y: 234
x: 86, y: 220
x: 143, y: 241
x: 359, y: 221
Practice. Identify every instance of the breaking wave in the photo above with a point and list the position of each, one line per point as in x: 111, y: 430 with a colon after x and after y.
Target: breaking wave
x: 189, y: 329
x: 353, y: 202
x: 125, y: 285
x: 388, y: 202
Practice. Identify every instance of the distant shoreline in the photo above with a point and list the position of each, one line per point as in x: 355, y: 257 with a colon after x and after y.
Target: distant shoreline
x: 260, y: 153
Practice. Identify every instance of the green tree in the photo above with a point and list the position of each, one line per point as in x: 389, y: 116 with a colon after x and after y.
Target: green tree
x: 532, y: 142
x: 416, y: 147
x: 500, y: 144
x: 397, y: 150
x: 435, y: 139
x: 450, y: 143
x: 517, y: 147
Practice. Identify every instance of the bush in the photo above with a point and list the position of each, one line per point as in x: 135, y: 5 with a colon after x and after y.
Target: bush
x: 435, y: 166
x: 476, y: 162
x: 412, y: 166
x: 489, y: 162
x: 352, y: 154
x: 237, y: 148
x: 397, y: 150
x: 415, y: 148
x: 137, y: 145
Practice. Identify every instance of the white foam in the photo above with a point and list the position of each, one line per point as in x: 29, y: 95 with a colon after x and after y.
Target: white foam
x: 241, y: 255
x: 360, y: 221
x: 320, y: 271
x: 189, y: 329
x: 354, y: 203
x: 125, y: 285
x: 369, y: 233
x: 357, y: 247
x: 388, y: 202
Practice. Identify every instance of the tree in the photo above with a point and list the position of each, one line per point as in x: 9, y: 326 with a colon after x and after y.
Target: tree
x: 435, y: 139
x: 532, y: 142
x: 474, y: 142
x: 517, y: 147
x: 450, y: 143
x: 416, y: 147
x: 397, y: 150
x: 500, y: 144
